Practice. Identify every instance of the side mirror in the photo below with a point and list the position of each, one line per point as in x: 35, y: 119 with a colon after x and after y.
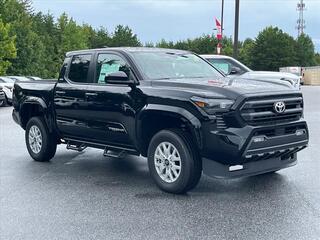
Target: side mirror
x: 118, y: 78
x: 235, y: 70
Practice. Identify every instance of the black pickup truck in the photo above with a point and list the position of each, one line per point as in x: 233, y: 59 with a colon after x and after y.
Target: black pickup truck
x: 170, y: 106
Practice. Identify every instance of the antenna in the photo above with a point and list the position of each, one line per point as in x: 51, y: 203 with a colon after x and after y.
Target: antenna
x: 301, y: 7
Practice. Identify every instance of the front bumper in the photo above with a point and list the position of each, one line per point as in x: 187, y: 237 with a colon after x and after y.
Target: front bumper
x: 235, y: 152
x: 218, y: 170
x: 16, y: 117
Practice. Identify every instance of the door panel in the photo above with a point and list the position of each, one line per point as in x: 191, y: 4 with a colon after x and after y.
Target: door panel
x: 70, y: 99
x: 115, y: 106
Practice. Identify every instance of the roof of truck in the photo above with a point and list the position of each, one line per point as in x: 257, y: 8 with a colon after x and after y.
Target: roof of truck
x: 128, y: 49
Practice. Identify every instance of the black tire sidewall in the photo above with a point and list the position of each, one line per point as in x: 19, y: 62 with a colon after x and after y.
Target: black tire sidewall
x: 46, y: 147
x: 3, y: 102
x: 181, y: 184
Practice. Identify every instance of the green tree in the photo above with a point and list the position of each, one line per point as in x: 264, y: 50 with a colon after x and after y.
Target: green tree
x: 123, y: 36
x: 30, y: 48
x: 100, y: 38
x: 273, y: 49
x: 317, y: 59
x: 305, y: 51
x: 70, y: 36
x: 164, y: 44
x: 245, y: 52
x: 45, y: 27
x: 7, y: 47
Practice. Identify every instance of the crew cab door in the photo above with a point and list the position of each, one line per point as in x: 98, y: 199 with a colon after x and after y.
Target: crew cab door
x: 112, y: 107
x: 70, y: 96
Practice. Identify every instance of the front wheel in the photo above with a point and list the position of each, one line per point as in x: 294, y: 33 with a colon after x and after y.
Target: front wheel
x: 41, y: 144
x: 172, y: 162
x: 3, y: 102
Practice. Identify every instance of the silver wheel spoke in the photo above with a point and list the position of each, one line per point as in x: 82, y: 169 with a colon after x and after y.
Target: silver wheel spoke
x: 167, y: 162
x: 35, y: 139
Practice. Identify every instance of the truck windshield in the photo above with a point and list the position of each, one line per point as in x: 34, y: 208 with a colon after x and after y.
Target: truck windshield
x: 170, y: 65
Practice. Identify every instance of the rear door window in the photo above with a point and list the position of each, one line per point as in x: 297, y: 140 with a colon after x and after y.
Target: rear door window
x: 79, y: 68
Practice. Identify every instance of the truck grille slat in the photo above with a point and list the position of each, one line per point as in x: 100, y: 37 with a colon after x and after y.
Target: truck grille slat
x: 261, y: 111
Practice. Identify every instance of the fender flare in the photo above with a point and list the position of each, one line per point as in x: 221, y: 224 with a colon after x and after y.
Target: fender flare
x: 30, y: 100
x: 193, y: 122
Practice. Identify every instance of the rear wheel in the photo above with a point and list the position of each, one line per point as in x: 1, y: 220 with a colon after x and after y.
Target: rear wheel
x: 172, y: 162
x: 41, y: 144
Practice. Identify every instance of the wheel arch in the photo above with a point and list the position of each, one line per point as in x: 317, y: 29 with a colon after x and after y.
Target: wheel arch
x: 155, y: 118
x: 32, y: 107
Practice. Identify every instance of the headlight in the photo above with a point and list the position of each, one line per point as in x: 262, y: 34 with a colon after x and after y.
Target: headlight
x: 213, y: 105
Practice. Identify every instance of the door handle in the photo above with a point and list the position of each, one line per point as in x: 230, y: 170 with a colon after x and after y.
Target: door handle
x: 91, y: 94
x: 60, y: 92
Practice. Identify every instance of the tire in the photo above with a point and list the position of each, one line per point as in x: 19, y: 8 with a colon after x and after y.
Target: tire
x: 3, y: 102
x: 164, y: 171
x: 43, y: 146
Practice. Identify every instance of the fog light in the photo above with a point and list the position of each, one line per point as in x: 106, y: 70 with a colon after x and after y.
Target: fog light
x: 258, y: 139
x: 235, y: 168
x: 299, y: 132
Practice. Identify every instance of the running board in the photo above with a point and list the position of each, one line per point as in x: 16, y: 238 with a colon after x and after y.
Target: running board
x: 114, y: 154
x: 109, y: 150
x: 76, y: 147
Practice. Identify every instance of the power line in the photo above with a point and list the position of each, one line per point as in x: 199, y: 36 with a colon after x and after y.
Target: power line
x: 301, y: 24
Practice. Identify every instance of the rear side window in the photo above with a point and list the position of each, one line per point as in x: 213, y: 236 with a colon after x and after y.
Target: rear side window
x: 79, y: 68
x: 64, y: 67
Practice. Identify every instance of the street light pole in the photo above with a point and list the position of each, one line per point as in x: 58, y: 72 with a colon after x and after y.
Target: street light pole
x: 236, y: 29
x: 222, y: 12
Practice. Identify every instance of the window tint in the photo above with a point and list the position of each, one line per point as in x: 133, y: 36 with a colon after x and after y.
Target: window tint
x: 64, y: 67
x: 225, y: 65
x: 221, y: 64
x: 79, y: 68
x: 110, y: 63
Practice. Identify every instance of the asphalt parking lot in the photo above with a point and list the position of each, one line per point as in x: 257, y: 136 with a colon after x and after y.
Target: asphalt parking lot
x: 87, y: 196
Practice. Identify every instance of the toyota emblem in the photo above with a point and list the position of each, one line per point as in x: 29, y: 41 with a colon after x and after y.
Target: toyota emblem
x: 279, y: 107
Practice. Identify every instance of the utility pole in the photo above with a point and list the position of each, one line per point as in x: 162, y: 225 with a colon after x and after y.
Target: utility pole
x: 301, y: 7
x: 236, y: 29
x: 222, y: 13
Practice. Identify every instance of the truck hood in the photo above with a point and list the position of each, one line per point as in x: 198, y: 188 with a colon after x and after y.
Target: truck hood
x: 272, y: 74
x: 224, y: 87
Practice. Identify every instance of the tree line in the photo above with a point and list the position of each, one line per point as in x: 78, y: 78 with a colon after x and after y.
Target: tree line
x: 35, y: 43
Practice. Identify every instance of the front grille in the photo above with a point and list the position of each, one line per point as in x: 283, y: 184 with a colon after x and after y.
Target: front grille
x: 282, y: 154
x: 220, y: 122
x: 260, y: 111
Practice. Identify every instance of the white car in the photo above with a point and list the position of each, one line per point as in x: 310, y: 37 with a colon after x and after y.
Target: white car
x: 231, y: 66
x: 7, y: 87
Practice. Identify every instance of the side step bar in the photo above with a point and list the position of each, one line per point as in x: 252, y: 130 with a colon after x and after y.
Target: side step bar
x: 114, y: 154
x: 109, y: 150
x: 76, y: 147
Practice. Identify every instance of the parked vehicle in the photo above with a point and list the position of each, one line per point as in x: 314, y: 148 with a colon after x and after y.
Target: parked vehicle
x: 2, y: 98
x: 7, y: 87
x: 233, y: 67
x: 170, y: 106
x: 34, y: 78
x: 298, y: 71
x: 19, y: 78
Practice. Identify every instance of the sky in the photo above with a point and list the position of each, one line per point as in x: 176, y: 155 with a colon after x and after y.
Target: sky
x: 153, y: 20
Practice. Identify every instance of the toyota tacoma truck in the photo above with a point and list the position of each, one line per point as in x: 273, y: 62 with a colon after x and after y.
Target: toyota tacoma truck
x: 170, y: 106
